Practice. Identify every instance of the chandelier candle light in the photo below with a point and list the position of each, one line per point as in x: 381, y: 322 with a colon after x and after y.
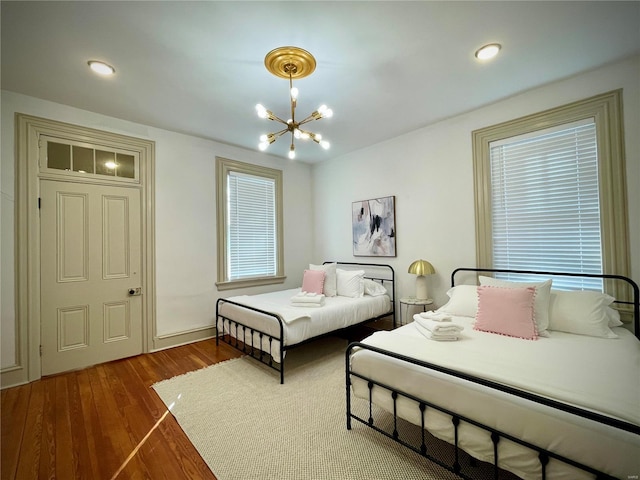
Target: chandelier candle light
x: 292, y: 62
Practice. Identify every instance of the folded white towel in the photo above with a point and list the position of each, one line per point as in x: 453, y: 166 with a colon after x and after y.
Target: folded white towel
x: 436, y: 317
x: 303, y: 297
x: 307, y: 299
x: 306, y: 304
x: 446, y: 328
x: 439, y: 337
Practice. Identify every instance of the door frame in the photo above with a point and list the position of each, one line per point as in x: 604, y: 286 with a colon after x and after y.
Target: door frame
x: 27, y: 284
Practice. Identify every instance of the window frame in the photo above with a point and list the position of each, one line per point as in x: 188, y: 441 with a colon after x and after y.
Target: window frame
x: 224, y: 167
x: 606, y: 110
x: 87, y: 176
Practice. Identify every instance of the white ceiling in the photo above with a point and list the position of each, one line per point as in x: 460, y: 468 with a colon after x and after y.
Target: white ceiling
x: 386, y: 68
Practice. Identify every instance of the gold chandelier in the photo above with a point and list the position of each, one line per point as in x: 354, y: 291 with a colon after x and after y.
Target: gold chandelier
x: 292, y: 62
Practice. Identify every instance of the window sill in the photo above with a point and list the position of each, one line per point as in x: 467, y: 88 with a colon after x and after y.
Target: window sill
x: 251, y: 282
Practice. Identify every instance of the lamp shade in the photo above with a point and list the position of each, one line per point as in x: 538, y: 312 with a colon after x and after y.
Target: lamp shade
x: 421, y: 267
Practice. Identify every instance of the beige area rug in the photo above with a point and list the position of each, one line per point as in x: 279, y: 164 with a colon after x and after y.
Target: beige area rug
x: 247, y: 426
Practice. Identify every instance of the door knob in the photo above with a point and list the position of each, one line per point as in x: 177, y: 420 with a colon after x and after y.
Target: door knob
x: 135, y: 291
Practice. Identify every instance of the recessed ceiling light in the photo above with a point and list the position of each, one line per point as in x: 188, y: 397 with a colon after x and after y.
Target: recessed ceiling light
x: 488, y: 51
x: 101, y: 67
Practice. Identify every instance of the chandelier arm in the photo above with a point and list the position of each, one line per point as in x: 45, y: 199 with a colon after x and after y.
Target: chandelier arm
x: 277, y: 119
x: 292, y: 148
x: 308, y: 119
x: 313, y: 136
x: 310, y: 134
x: 272, y: 137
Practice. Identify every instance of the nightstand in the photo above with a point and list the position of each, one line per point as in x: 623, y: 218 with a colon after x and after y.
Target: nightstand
x: 407, y: 302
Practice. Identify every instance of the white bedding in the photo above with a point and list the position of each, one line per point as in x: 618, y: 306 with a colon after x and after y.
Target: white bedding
x: 593, y: 373
x: 302, y: 323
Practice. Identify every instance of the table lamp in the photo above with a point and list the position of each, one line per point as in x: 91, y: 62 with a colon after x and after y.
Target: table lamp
x: 421, y: 268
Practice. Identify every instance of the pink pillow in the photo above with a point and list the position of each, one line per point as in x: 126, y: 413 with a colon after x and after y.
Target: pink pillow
x: 507, y: 311
x: 313, y: 281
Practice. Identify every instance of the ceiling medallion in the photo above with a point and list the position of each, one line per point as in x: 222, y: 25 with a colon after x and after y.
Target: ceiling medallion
x: 292, y: 63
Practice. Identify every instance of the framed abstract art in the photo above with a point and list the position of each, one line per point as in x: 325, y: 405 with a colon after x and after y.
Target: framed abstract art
x: 373, y: 223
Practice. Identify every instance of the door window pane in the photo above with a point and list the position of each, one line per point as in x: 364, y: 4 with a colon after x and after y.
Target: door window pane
x: 58, y: 156
x: 105, y: 163
x: 82, y: 159
x: 126, y: 165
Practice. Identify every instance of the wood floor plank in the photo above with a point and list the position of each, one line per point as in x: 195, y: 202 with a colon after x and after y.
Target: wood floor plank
x: 47, y: 457
x: 217, y: 354
x: 158, y: 367
x: 152, y: 402
x: 142, y: 368
x: 14, y: 415
x: 103, y: 426
x: 92, y: 423
x: 65, y: 460
x: 29, y: 464
x: 84, y: 428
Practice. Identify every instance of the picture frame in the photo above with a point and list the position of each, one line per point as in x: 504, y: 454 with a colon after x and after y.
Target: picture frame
x: 373, y: 223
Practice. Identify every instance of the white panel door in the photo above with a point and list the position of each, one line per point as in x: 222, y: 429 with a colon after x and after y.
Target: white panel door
x: 90, y: 260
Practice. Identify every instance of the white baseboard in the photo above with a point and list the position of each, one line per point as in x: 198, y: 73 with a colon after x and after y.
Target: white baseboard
x: 13, y: 376
x: 163, y: 342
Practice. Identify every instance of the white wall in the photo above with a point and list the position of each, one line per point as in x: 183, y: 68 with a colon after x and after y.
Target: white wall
x: 430, y: 171
x: 186, y: 263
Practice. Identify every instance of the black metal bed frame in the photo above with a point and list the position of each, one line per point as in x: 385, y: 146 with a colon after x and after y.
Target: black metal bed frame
x: 241, y: 331
x: 422, y: 404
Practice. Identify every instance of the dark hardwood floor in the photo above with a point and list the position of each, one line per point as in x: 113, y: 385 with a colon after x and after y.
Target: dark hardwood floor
x: 103, y: 422
x: 106, y: 422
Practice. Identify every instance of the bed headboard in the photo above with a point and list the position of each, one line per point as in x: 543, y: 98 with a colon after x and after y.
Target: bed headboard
x: 379, y: 272
x: 382, y: 273
x: 634, y: 304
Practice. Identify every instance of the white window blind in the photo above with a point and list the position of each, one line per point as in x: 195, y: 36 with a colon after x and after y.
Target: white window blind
x: 251, y: 229
x: 545, y: 203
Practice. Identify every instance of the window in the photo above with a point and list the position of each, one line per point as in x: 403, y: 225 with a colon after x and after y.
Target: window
x: 551, y: 193
x: 545, y: 205
x: 250, y: 248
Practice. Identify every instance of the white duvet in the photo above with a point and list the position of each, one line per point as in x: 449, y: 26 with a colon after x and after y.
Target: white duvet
x: 598, y: 374
x: 302, y: 323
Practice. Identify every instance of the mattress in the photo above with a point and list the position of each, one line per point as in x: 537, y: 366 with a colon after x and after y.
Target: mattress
x: 601, y: 375
x: 336, y: 313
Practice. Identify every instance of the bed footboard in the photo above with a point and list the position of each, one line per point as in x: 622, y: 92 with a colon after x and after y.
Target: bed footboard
x: 243, y: 337
x: 415, y: 434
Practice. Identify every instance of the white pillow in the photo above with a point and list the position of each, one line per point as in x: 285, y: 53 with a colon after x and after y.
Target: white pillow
x: 330, y: 280
x: 463, y: 301
x: 373, y: 288
x: 614, y: 317
x: 583, y: 312
x: 540, y: 304
x: 350, y: 283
